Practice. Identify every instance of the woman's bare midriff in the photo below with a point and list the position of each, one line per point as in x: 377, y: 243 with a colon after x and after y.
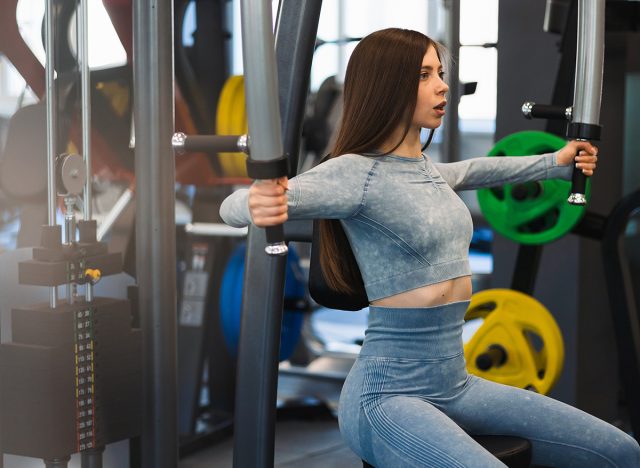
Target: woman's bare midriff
x: 454, y: 290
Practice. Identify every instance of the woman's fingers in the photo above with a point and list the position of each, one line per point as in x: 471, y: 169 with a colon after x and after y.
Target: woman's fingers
x: 586, y: 162
x: 268, y: 202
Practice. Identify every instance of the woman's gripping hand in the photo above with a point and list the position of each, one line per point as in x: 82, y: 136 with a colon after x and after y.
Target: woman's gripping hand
x: 268, y: 202
x: 587, y: 156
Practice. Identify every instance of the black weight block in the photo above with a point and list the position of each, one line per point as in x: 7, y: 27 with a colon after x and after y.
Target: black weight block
x: 39, y: 273
x: 38, y: 401
x: 41, y: 325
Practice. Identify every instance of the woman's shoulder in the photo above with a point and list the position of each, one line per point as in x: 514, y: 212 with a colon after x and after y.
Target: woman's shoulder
x: 346, y: 161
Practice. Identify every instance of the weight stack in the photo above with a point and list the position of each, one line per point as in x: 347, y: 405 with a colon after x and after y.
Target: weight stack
x: 71, y: 378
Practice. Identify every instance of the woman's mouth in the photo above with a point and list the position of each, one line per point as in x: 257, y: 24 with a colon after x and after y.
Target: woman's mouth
x: 439, y: 109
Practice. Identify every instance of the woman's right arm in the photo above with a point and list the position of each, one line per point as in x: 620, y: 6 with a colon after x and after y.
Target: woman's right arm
x: 331, y: 190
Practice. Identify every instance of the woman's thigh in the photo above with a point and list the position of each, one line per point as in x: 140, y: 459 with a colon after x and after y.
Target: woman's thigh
x: 410, y: 432
x: 402, y: 430
x: 561, y: 435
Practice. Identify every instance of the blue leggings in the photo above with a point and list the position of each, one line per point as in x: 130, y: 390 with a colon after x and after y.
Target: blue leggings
x: 409, y: 402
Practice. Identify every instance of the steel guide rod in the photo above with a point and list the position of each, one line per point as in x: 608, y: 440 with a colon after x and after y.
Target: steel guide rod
x: 262, y: 303
x: 52, y: 136
x: 85, y: 83
x: 587, y: 94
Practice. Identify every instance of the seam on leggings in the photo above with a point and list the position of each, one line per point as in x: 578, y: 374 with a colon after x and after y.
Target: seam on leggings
x: 384, y: 426
x: 575, y: 447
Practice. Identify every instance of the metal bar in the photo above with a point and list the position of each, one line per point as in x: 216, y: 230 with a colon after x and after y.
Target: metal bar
x: 587, y: 93
x: 260, y: 83
x: 209, y: 143
x: 257, y: 378
x: 295, y: 36
x: 52, y: 128
x: 451, y: 141
x: 92, y: 458
x: 85, y: 83
x: 215, y: 230
x: 261, y: 91
x: 257, y: 374
x: 155, y: 227
x: 113, y: 215
x: 589, y: 62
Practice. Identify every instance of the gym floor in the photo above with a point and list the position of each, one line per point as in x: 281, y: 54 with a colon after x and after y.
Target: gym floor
x: 310, y: 443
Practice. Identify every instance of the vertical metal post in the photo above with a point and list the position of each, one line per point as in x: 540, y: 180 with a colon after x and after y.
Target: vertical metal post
x: 52, y: 128
x: 588, y: 85
x: 589, y: 62
x: 85, y: 87
x: 296, y: 33
x: 262, y: 301
x: 257, y: 379
x: 92, y: 458
x: 451, y: 141
x: 155, y: 227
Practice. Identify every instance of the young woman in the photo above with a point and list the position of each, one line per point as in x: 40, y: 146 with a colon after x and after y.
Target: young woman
x: 408, y: 401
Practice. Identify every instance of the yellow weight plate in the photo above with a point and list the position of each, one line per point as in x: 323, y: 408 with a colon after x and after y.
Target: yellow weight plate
x: 528, y: 333
x: 231, y: 119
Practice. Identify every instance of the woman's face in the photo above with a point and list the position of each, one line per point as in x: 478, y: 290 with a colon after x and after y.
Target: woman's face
x: 431, y: 92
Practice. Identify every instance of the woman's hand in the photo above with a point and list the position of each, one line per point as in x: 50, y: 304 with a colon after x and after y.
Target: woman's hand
x: 268, y: 202
x: 586, y: 156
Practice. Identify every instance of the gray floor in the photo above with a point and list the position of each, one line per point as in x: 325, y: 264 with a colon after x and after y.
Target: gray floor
x: 311, y: 444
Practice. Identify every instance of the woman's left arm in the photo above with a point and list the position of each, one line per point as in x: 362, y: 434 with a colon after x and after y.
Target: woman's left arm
x: 495, y: 171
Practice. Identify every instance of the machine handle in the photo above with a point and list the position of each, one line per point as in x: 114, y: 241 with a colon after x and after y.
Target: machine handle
x: 578, y: 188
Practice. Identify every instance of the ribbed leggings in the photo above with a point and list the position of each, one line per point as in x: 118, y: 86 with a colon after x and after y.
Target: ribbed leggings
x: 409, y: 402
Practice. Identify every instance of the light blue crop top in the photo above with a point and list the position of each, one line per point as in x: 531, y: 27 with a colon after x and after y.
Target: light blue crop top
x: 405, y: 223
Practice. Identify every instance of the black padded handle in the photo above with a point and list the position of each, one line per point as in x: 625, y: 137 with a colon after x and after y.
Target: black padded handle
x: 578, y: 188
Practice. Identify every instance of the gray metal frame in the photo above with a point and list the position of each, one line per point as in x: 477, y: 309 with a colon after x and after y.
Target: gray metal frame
x: 257, y: 377
x: 589, y: 62
x: 52, y: 129
x: 155, y: 227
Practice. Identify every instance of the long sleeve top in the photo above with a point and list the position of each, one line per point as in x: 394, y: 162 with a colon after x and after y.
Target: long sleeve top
x: 404, y: 220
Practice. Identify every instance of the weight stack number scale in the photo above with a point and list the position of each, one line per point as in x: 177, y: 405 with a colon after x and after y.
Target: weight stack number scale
x: 71, y: 377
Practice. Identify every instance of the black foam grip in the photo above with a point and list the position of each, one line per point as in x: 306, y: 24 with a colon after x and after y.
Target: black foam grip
x: 545, y: 111
x: 275, y: 234
x: 578, y: 181
x: 211, y: 143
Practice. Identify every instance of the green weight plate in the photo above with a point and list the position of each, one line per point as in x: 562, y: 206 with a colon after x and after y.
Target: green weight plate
x: 535, y: 212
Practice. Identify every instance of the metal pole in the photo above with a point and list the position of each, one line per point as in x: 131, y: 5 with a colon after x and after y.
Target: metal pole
x: 155, y: 227
x: 587, y: 93
x: 85, y: 83
x: 295, y: 37
x: 52, y: 129
x: 451, y: 141
x: 589, y: 62
x: 92, y: 458
x: 257, y: 379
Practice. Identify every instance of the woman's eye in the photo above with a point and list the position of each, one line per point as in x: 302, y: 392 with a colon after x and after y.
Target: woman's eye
x: 424, y: 76
x: 441, y: 74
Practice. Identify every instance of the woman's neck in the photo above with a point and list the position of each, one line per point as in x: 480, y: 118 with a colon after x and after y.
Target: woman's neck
x: 410, y: 146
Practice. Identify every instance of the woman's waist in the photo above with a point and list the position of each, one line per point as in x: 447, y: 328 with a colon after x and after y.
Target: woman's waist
x: 424, y: 333
x: 442, y: 293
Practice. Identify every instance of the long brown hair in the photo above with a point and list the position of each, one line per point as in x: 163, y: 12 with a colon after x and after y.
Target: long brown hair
x: 380, y: 94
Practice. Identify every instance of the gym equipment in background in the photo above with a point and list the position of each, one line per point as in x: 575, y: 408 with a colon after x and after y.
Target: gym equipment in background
x: 71, y: 377
x: 533, y: 212
x: 231, y: 119
x: 519, y: 342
